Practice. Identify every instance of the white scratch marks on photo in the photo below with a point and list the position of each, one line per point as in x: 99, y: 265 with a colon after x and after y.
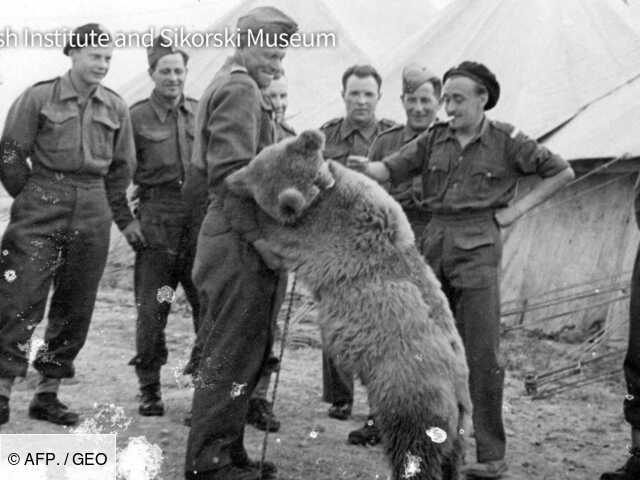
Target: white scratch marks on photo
x: 166, y: 294
x: 411, y: 466
x: 139, y: 460
x: 437, y: 435
x: 108, y: 418
x: 10, y: 276
x: 237, y: 389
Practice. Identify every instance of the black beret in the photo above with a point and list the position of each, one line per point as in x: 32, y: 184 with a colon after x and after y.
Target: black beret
x: 87, y: 35
x: 481, y: 74
x: 268, y: 19
x: 161, y: 47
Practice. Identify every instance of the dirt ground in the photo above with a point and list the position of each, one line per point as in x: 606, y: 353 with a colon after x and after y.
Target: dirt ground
x: 573, y: 436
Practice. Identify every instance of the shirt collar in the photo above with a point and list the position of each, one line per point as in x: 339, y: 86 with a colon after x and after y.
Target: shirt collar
x: 66, y: 87
x: 347, y: 128
x: 162, y: 109
x: 409, y: 133
x: 233, y: 66
x: 67, y: 90
x: 482, y: 136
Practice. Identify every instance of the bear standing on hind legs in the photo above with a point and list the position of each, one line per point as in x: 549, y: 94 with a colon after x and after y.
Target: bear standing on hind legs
x: 382, y: 311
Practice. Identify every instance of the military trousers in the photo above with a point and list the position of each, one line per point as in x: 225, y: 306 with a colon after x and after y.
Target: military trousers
x: 464, y: 251
x: 237, y: 295
x: 160, y: 266
x: 57, y: 237
x: 632, y: 358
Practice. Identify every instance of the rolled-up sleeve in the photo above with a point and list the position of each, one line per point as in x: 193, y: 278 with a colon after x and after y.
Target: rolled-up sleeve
x: 18, y: 140
x: 531, y: 157
x: 407, y: 162
x: 120, y: 171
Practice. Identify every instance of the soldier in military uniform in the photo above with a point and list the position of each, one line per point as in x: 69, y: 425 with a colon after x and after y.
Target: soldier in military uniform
x: 235, y: 271
x: 631, y: 469
x: 77, y: 134
x: 348, y: 136
x: 421, y: 101
x: 278, y: 94
x: 260, y: 413
x: 163, y: 133
x: 470, y: 167
x: 354, y: 133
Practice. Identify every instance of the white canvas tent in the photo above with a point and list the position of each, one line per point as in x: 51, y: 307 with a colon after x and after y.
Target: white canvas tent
x: 552, y: 58
x: 588, y: 234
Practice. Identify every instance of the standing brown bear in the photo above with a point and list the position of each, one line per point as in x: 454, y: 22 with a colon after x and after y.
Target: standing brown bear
x: 384, y: 316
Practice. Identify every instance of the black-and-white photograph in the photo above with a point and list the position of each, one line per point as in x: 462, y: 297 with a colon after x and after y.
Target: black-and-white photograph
x: 320, y: 239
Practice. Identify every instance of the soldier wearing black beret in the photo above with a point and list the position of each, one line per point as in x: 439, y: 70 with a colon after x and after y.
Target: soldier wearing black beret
x: 88, y: 35
x: 470, y: 167
x: 67, y: 154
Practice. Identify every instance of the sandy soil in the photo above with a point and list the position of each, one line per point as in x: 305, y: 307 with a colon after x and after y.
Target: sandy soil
x: 574, y: 435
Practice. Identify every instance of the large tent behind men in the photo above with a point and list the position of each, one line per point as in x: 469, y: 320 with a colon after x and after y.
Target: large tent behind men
x: 313, y: 73
x: 587, y: 236
x: 552, y: 58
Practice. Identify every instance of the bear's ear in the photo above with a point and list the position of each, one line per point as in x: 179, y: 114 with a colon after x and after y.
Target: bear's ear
x: 308, y: 142
x: 238, y: 182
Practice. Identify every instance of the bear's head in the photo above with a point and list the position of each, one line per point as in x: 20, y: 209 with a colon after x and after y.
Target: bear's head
x: 284, y: 179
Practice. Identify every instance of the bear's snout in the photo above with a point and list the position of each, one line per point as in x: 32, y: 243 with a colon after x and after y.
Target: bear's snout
x: 291, y: 204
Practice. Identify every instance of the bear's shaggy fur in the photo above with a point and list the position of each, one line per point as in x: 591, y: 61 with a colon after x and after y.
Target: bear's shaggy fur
x: 382, y: 312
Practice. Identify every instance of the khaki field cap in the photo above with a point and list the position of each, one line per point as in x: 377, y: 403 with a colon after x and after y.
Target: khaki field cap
x: 414, y: 76
x: 161, y: 47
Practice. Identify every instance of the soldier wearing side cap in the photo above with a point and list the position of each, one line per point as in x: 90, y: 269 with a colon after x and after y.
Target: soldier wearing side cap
x: 235, y: 271
x: 470, y: 167
x: 346, y: 137
x: 162, y: 234
x: 77, y: 134
x: 421, y: 100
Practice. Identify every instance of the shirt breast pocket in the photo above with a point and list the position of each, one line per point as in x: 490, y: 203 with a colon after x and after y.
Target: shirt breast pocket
x: 103, y: 134
x: 486, y: 180
x: 154, y: 144
x: 60, y: 130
